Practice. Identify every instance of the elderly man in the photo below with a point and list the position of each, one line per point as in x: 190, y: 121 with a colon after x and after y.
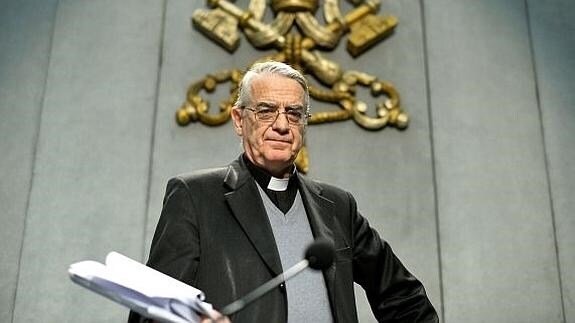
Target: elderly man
x: 228, y: 230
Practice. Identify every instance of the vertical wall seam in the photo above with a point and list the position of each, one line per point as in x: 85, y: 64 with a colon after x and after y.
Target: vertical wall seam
x: 432, y: 151
x: 153, y: 129
x: 545, y: 155
x: 35, y: 143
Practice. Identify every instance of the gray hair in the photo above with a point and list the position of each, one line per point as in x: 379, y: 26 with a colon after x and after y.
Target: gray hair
x: 274, y: 68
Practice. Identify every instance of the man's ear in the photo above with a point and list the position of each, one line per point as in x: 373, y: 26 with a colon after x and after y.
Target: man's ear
x: 237, y: 119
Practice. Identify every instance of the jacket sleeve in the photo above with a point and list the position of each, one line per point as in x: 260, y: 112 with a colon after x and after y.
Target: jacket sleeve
x: 175, y: 247
x: 394, y: 294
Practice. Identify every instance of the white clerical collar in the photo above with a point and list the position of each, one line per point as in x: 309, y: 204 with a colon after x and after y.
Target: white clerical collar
x: 278, y: 184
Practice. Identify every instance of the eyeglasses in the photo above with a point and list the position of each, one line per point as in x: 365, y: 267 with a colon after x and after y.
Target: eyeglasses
x: 295, y: 117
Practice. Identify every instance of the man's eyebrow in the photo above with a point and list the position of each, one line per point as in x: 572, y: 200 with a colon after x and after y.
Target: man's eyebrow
x: 273, y: 105
x: 265, y: 104
x: 294, y: 107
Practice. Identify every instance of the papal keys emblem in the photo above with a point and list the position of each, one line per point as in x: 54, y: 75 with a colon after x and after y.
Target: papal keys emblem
x: 299, y: 40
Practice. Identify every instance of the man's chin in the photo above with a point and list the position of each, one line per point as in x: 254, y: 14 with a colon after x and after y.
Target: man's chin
x: 279, y: 159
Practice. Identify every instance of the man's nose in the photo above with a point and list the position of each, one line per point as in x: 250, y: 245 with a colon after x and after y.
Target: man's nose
x: 281, y: 122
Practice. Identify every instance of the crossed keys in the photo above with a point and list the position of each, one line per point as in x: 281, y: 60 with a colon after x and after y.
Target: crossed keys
x: 300, y: 47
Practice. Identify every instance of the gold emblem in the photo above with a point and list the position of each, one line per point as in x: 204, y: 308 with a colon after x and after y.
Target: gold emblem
x: 300, y: 47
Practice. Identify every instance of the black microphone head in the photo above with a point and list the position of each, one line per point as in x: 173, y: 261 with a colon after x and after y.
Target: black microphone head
x: 320, y: 254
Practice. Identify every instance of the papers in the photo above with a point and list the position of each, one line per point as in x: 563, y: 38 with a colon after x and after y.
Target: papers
x: 141, y: 288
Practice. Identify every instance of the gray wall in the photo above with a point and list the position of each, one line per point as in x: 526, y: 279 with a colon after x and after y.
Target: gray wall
x: 475, y: 196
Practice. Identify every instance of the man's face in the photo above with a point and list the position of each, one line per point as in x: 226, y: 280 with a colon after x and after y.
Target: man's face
x: 271, y: 145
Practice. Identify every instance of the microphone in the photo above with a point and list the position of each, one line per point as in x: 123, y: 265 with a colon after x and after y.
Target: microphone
x: 319, y: 255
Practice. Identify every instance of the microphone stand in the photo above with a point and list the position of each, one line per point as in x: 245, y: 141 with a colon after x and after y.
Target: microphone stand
x: 265, y: 288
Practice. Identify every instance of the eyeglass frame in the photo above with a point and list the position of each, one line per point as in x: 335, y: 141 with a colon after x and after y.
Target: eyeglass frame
x: 264, y: 106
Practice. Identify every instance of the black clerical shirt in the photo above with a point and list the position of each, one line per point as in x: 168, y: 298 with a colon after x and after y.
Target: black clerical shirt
x: 282, y: 199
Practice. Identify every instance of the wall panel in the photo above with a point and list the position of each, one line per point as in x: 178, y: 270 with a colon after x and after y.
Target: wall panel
x: 25, y: 35
x: 91, y: 172
x: 552, y: 28
x: 496, y: 232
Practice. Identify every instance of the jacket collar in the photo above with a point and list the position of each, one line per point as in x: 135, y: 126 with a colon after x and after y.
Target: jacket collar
x: 247, y: 206
x: 320, y: 210
x: 241, y: 184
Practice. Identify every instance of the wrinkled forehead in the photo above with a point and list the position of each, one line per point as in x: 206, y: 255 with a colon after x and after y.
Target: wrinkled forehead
x: 277, y: 89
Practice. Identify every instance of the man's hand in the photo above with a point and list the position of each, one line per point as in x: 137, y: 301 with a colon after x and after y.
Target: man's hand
x: 216, y: 317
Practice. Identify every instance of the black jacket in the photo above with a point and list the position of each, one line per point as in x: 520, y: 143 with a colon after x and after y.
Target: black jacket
x: 214, y: 234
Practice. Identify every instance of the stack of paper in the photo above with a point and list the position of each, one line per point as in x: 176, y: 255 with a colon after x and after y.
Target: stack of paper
x: 142, y: 289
